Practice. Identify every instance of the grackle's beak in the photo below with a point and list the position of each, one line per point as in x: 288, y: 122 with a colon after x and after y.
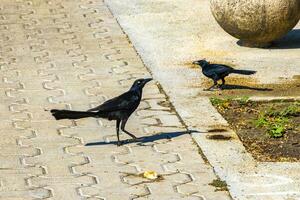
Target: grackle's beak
x: 196, y: 62
x: 146, y: 80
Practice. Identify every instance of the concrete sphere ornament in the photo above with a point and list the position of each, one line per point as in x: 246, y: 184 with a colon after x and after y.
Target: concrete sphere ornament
x: 256, y: 22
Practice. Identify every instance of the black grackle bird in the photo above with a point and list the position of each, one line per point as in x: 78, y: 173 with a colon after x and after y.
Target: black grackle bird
x: 219, y: 72
x: 119, y: 108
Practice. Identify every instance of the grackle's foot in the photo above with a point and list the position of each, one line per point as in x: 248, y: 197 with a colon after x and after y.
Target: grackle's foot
x: 119, y: 143
x: 222, y: 86
x: 212, y: 89
x: 134, y: 139
x: 208, y: 89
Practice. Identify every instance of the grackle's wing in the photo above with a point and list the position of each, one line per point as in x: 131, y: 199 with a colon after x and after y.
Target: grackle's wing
x: 217, y: 69
x: 127, y: 101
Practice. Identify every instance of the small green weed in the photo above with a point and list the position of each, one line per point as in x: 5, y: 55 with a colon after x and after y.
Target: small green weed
x: 277, y: 121
x: 243, y: 100
x: 226, y: 102
x: 220, y: 104
x: 261, y: 121
x: 219, y: 185
x: 217, y: 101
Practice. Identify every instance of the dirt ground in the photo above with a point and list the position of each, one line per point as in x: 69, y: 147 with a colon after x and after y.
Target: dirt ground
x: 242, y: 118
x: 241, y: 86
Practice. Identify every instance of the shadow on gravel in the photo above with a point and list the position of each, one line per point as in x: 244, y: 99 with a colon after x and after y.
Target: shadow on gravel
x: 242, y: 87
x: 290, y: 41
x: 147, y: 139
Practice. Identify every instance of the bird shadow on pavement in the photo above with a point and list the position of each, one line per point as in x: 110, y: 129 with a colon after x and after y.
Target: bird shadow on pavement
x: 242, y: 87
x: 290, y: 41
x: 146, y: 139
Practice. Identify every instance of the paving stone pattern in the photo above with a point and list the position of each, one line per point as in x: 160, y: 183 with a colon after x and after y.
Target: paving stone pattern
x: 72, y: 54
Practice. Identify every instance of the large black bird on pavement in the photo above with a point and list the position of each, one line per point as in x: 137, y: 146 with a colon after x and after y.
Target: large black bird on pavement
x: 219, y: 72
x: 119, y: 108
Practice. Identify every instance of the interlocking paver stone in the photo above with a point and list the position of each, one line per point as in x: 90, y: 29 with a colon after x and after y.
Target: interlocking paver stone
x: 73, y: 54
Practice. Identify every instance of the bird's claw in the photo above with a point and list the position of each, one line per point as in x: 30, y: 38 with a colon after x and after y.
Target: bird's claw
x: 208, y: 89
x: 213, y: 88
x: 135, y: 139
x: 119, y: 143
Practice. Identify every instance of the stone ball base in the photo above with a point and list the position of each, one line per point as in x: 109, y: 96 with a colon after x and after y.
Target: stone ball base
x: 256, y: 22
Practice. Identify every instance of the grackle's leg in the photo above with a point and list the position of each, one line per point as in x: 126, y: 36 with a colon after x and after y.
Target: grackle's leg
x: 123, y: 123
x: 214, y: 85
x: 118, y: 132
x: 223, y: 83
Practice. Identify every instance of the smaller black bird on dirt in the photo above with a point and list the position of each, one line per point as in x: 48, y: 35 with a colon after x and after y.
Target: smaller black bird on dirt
x: 219, y: 72
x: 119, y: 108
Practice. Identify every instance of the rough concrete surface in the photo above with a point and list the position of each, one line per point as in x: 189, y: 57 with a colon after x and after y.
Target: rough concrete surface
x: 169, y: 35
x: 73, y: 54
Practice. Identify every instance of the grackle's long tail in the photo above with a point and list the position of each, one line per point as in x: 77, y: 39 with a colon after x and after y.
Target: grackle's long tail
x: 69, y: 114
x: 244, y: 72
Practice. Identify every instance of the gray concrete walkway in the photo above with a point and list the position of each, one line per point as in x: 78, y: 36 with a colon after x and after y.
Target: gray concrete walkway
x: 169, y: 35
x: 73, y: 54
